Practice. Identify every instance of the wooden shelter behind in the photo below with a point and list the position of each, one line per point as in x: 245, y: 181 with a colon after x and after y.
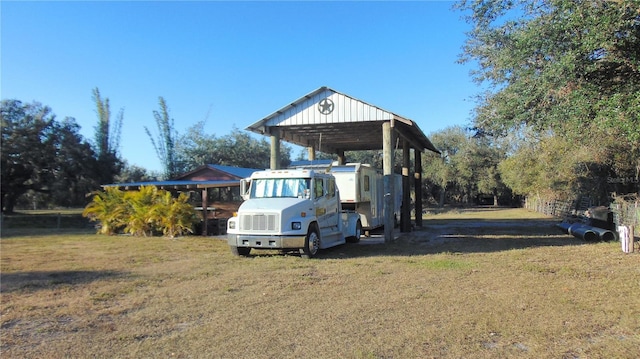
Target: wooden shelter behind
x: 214, y: 191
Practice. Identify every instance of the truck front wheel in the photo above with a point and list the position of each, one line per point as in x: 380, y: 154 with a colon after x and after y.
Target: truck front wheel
x: 358, y: 234
x: 311, y: 244
x: 240, y: 251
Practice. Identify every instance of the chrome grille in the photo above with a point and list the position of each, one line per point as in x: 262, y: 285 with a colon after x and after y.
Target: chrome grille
x: 259, y: 222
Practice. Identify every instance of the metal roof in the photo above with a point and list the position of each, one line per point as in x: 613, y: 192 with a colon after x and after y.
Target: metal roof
x: 231, y: 171
x: 175, y: 185
x: 330, y: 121
x: 221, y: 176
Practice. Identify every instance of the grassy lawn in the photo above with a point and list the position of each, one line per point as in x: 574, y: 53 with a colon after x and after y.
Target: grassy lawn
x: 480, y: 283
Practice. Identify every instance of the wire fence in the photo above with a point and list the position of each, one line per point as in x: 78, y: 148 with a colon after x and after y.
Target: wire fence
x: 626, y: 210
x: 557, y: 208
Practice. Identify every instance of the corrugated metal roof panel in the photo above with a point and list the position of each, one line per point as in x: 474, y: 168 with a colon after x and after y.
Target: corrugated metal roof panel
x: 176, y: 184
x: 330, y: 120
x: 325, y: 107
x: 239, y: 172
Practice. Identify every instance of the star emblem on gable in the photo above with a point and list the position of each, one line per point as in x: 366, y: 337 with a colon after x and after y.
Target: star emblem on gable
x: 325, y: 106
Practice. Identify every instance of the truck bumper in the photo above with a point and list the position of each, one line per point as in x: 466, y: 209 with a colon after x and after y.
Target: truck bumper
x: 265, y: 242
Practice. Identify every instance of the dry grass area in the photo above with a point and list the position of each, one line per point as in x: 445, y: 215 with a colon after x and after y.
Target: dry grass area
x: 470, y: 284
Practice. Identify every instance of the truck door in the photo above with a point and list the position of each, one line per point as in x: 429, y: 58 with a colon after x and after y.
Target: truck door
x: 326, y: 204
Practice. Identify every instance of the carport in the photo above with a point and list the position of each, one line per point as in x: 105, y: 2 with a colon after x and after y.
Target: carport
x: 332, y: 122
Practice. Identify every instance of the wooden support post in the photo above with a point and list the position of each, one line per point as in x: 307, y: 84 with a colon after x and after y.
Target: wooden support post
x: 205, y: 204
x: 387, y: 172
x: 417, y: 186
x: 632, y: 240
x: 312, y: 153
x: 341, y: 158
x: 405, y: 214
x: 275, y: 148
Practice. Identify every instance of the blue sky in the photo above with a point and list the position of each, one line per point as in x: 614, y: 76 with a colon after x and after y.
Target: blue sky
x: 232, y: 63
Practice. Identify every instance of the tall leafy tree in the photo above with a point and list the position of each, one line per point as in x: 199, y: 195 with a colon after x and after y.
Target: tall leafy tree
x: 133, y: 173
x: 483, y: 158
x: 237, y: 148
x: 240, y: 149
x: 467, y: 167
x: 165, y: 144
x: 372, y: 157
x: 107, y: 138
x: 27, y: 150
x: 562, y: 67
x: 196, y: 147
x: 440, y: 170
x: 42, y: 155
x: 77, y: 170
x: 107, y: 135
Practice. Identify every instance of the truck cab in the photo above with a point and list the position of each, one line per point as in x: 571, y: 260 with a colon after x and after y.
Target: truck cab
x: 291, y: 210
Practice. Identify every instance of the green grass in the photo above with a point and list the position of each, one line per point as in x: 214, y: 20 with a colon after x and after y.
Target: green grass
x: 464, y: 286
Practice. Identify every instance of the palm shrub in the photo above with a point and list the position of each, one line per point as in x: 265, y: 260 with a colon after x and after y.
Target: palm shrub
x: 175, y: 216
x: 109, y: 208
x: 145, y: 212
x: 140, y: 204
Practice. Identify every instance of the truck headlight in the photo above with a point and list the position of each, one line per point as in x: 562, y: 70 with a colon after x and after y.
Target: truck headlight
x: 232, y: 224
x: 296, y: 226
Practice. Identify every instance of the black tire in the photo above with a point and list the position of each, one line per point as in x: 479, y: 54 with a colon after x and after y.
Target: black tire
x: 240, y: 251
x: 356, y: 238
x: 311, y: 244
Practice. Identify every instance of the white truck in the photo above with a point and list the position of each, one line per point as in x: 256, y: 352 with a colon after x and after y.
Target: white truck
x: 291, y: 210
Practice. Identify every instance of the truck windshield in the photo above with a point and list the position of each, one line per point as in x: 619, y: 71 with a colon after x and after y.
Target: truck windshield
x: 280, y: 187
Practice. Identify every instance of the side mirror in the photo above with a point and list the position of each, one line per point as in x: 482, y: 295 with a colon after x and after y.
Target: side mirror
x: 245, y: 185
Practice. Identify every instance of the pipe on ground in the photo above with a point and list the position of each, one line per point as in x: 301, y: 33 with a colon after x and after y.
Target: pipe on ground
x: 604, y: 234
x: 564, y: 226
x: 583, y: 232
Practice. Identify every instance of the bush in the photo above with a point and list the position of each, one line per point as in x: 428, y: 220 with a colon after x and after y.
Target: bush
x: 146, y: 212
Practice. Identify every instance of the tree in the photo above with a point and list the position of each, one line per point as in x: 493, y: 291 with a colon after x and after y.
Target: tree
x: 196, y: 148
x: 466, y: 168
x: 165, y: 145
x: 27, y: 150
x: 484, y: 158
x: 372, y: 157
x: 562, y: 67
x: 107, y: 139
x: 238, y: 148
x: 42, y: 157
x: 77, y: 170
x: 539, y: 57
x: 241, y: 149
x: 440, y: 170
x: 133, y: 173
x: 551, y: 167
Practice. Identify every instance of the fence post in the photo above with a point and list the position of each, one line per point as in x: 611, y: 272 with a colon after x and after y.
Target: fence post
x: 631, y: 240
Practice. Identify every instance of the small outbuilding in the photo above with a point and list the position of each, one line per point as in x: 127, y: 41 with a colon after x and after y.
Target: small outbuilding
x: 214, y: 190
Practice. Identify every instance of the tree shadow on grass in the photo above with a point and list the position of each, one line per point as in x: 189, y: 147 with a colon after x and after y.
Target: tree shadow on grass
x: 41, y: 280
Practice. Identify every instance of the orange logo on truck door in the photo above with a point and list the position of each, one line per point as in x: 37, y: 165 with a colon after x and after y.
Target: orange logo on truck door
x: 320, y: 211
